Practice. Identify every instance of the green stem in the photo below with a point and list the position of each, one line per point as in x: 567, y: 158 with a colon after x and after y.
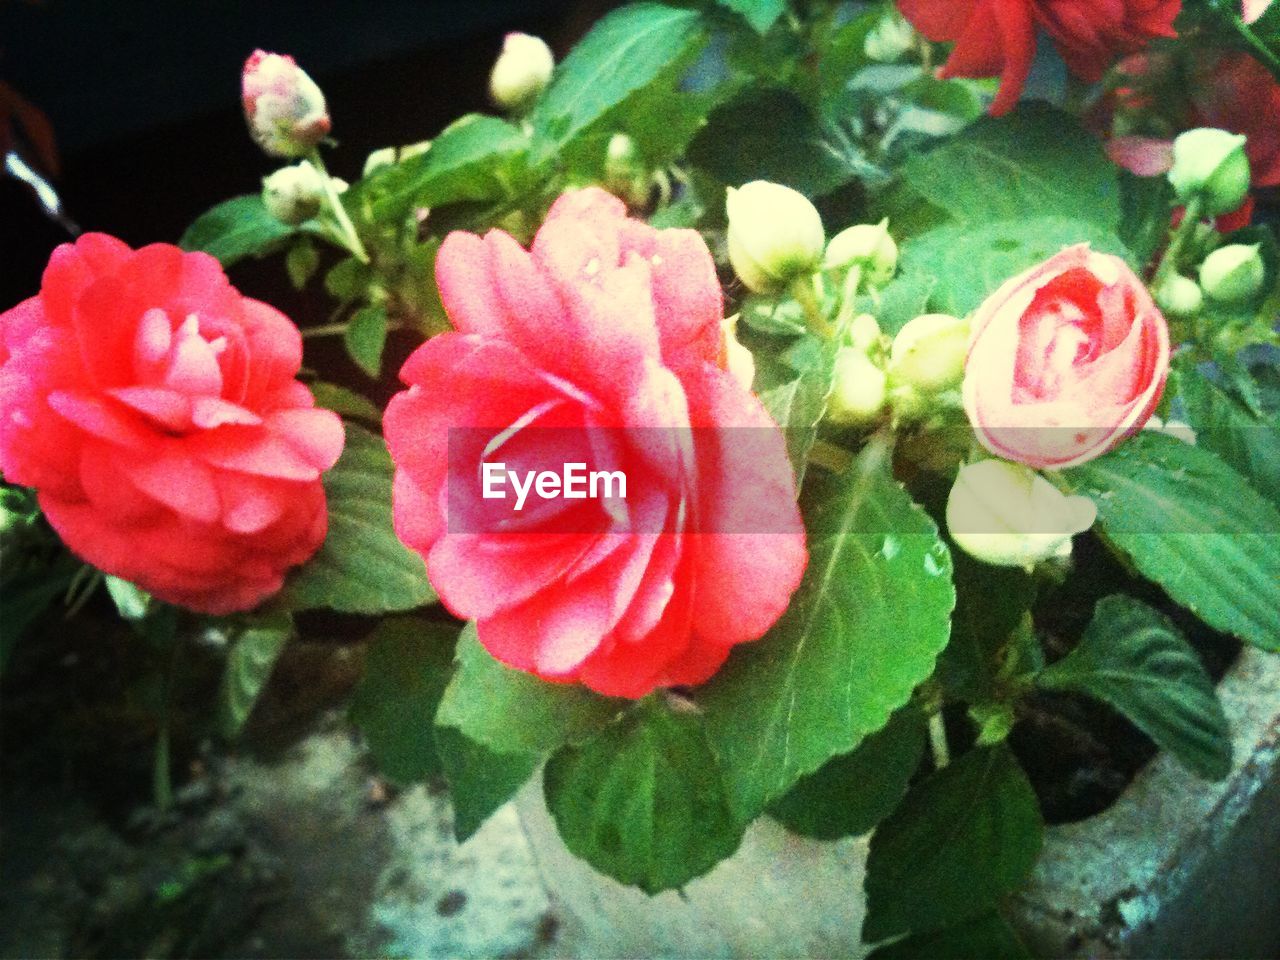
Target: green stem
x: 802, y: 290
x: 938, y: 741
x: 1177, y: 240
x: 161, y: 777
x: 339, y: 211
x: 1260, y: 50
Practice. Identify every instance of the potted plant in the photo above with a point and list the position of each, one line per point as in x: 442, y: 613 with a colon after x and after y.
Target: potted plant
x: 813, y: 450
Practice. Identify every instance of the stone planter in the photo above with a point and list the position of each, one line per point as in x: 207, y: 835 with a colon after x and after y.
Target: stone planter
x: 1176, y: 867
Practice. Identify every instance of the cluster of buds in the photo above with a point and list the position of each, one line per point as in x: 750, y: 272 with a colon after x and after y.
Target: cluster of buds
x: 1008, y: 515
x: 1211, y: 174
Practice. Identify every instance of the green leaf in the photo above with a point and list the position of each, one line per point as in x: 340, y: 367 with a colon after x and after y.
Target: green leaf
x: 797, y: 406
x: 1035, y: 162
x: 348, y: 280
x: 971, y: 260
x: 991, y: 603
x: 301, y: 263
x: 480, y: 780
x: 475, y: 158
x: 254, y: 650
x: 1134, y: 659
x: 512, y: 712
x: 853, y: 792
x: 642, y: 801
x: 1193, y: 525
x: 1146, y: 204
x: 626, y: 51
x: 760, y: 14
x: 862, y: 631
x: 344, y: 402
x: 989, y: 937
x: 235, y: 229
x: 961, y: 840
x: 362, y: 567
x: 901, y: 301
x: 1226, y: 427
x: 365, y: 338
x: 394, y: 705
x: 794, y: 147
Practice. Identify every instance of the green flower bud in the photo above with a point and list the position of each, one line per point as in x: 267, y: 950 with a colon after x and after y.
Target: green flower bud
x: 1210, y: 164
x: 864, y: 332
x: 775, y: 235
x: 859, y: 391
x: 521, y: 72
x: 929, y: 352
x: 1232, y: 274
x: 294, y: 194
x: 889, y: 39
x: 1179, y: 296
x: 625, y: 175
x: 1007, y: 514
x: 868, y: 246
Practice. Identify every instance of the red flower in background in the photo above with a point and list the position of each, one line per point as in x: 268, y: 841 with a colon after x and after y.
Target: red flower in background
x: 154, y: 410
x: 998, y: 37
x: 605, y: 322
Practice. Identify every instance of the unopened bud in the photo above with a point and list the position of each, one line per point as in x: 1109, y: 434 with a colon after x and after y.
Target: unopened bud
x: 625, y: 175
x: 285, y: 110
x: 388, y: 156
x: 521, y: 72
x: 868, y: 246
x: 1008, y: 515
x: 890, y: 38
x: 1179, y: 296
x: 775, y: 235
x: 858, y: 394
x: 1210, y: 164
x: 1234, y: 273
x: 929, y: 352
x: 864, y: 332
x: 294, y: 194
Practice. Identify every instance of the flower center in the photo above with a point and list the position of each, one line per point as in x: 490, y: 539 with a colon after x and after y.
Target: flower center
x: 177, y: 358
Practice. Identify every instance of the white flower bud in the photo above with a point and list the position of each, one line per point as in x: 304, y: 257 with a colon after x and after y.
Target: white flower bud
x: 890, y: 38
x: 864, y: 332
x: 284, y: 107
x: 775, y: 235
x: 868, y: 246
x: 1179, y: 296
x: 1007, y: 514
x: 1210, y: 164
x: 388, y: 156
x: 1234, y: 273
x: 521, y: 72
x: 929, y: 352
x: 858, y: 394
x: 294, y: 194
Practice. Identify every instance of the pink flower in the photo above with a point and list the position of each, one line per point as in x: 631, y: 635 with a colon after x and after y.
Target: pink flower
x: 1065, y: 361
x: 605, y: 332
x: 285, y: 109
x: 998, y: 37
x: 154, y: 409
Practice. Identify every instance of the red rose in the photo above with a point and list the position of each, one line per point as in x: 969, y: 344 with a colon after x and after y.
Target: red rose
x: 998, y: 37
x: 606, y: 322
x: 155, y: 411
x: 1065, y: 361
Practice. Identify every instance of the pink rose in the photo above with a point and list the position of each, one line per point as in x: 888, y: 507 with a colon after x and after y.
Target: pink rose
x: 286, y: 111
x: 154, y: 410
x: 606, y: 331
x: 1065, y: 361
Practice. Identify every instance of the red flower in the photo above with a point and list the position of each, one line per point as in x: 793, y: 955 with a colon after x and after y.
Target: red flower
x: 1235, y: 92
x: 154, y: 409
x: 605, y: 323
x: 998, y: 37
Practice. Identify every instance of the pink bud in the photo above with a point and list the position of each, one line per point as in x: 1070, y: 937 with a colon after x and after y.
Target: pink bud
x: 285, y: 109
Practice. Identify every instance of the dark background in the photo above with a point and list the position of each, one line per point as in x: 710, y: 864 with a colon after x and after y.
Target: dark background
x: 143, y: 97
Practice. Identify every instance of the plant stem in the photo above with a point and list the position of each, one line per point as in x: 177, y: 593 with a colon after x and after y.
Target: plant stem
x: 1259, y: 49
x: 802, y: 290
x: 161, y: 778
x: 1177, y: 240
x: 938, y: 741
x: 347, y: 228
